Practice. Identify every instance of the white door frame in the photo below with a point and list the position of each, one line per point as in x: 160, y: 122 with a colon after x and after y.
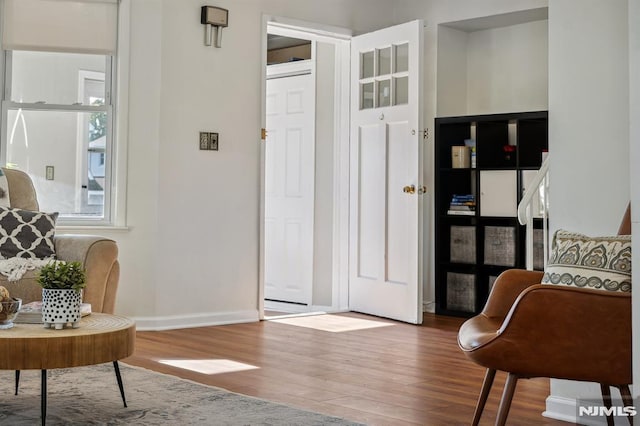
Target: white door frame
x: 340, y: 38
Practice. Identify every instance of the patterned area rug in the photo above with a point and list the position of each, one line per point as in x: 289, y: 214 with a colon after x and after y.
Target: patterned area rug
x: 90, y: 396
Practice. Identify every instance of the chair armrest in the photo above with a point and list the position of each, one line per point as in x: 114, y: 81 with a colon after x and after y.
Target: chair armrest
x: 506, y: 290
x: 567, y: 333
x: 99, y: 256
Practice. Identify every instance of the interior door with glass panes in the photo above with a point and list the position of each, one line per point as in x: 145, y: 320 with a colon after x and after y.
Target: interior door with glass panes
x: 385, y: 241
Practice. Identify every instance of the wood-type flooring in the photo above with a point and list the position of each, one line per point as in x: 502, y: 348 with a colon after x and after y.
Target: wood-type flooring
x: 359, y: 367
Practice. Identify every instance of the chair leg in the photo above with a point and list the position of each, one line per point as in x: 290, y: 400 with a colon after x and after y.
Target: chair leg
x: 484, y: 394
x: 627, y: 399
x: 606, y: 401
x: 507, y: 396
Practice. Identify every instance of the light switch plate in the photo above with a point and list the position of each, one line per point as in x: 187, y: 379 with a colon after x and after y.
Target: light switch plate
x: 208, y: 141
x: 213, y: 141
x: 49, y: 172
x: 204, y: 140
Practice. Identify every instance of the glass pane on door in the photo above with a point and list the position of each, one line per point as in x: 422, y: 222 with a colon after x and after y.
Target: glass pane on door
x: 384, y: 61
x: 384, y: 93
x: 401, y: 58
x: 366, y: 64
x: 401, y: 90
x: 366, y: 95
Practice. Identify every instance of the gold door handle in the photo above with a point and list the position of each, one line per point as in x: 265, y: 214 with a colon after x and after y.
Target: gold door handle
x: 409, y: 189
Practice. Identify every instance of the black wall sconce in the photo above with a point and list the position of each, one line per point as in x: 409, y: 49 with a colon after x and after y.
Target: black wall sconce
x: 210, y: 17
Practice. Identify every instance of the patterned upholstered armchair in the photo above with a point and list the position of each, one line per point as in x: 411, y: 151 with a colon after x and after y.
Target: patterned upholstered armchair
x: 98, y: 255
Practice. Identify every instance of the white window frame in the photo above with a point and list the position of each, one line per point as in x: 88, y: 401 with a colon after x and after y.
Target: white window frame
x: 83, y: 154
x: 7, y: 105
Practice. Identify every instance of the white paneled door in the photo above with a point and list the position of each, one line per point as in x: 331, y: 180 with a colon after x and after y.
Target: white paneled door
x: 289, y: 189
x: 386, y: 190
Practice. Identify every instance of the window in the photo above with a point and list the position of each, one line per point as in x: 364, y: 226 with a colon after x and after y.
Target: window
x: 57, y: 105
x: 59, y: 115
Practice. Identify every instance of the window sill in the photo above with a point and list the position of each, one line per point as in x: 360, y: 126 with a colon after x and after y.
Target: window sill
x: 92, y: 228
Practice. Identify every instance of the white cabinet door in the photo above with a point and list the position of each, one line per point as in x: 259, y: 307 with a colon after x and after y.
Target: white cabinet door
x: 498, y: 193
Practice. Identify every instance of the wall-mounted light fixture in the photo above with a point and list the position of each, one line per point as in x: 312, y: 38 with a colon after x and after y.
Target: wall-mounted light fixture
x: 217, y: 17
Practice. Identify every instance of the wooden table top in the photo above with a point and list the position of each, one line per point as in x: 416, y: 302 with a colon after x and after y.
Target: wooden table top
x: 100, y: 338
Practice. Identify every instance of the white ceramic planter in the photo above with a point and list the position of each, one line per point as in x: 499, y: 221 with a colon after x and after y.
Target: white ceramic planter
x: 61, y: 307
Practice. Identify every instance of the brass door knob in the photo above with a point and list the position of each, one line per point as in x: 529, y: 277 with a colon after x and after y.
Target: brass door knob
x: 409, y: 189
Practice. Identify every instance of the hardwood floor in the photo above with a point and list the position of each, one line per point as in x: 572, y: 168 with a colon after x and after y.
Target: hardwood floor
x: 397, y: 374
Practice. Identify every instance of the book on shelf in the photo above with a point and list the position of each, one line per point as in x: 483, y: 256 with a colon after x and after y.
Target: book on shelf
x: 31, y: 313
x: 462, y: 204
x: 463, y: 197
x: 461, y: 212
x: 463, y: 207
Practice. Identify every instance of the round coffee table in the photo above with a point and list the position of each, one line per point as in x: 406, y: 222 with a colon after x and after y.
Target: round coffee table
x: 100, y: 338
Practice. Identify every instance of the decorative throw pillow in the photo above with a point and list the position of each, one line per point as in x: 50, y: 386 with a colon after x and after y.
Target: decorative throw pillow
x: 26, y: 234
x: 602, y: 263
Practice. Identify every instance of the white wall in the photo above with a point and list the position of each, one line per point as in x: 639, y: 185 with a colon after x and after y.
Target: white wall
x: 190, y: 255
x: 139, y: 251
x: 588, y: 130
x: 323, y: 207
x: 492, y: 71
x: 452, y: 71
x: 507, y: 69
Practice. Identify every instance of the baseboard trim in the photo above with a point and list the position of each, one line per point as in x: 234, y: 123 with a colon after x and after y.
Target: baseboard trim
x: 560, y: 408
x: 172, y: 322
x: 429, y: 306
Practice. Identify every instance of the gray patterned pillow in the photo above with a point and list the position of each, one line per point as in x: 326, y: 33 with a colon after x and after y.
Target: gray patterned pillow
x: 26, y: 234
x: 602, y: 263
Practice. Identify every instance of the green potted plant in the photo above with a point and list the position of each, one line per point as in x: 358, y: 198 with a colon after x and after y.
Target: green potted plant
x: 62, y: 284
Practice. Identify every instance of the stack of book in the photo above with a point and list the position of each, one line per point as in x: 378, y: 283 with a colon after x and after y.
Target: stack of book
x: 462, y: 205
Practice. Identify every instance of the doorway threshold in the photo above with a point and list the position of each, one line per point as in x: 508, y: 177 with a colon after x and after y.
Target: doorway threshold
x: 274, y: 315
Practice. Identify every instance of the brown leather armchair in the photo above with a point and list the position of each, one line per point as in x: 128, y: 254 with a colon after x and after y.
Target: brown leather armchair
x: 532, y: 330
x: 98, y: 255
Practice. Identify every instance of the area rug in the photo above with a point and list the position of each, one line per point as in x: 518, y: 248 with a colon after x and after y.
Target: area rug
x: 90, y: 396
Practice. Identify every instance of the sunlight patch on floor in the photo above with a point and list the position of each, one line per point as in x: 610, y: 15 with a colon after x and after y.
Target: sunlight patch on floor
x: 209, y: 366
x: 333, y: 323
